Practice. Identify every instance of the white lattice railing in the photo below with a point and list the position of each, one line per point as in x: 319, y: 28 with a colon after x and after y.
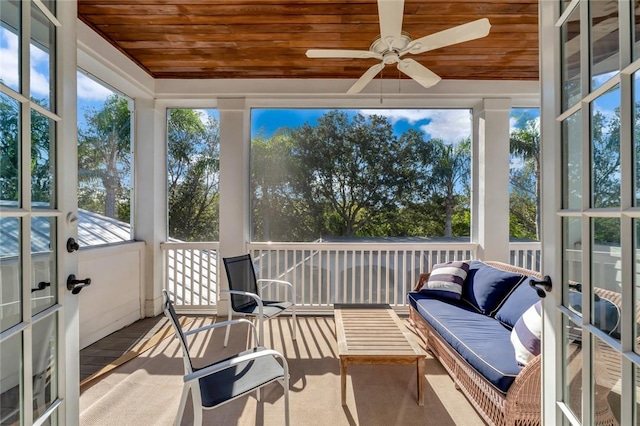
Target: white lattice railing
x: 191, y: 273
x: 323, y: 273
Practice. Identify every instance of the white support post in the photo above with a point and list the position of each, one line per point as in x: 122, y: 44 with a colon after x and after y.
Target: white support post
x: 150, y: 199
x: 490, y: 192
x: 234, y: 186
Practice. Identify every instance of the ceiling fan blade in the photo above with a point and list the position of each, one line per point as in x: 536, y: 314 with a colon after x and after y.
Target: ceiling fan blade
x: 421, y: 74
x: 365, y: 78
x: 338, y: 53
x: 465, y: 32
x: 390, y: 15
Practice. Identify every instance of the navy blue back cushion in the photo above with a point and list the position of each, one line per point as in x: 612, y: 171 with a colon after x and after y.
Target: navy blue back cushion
x: 486, y: 287
x: 521, y: 298
x: 606, y: 315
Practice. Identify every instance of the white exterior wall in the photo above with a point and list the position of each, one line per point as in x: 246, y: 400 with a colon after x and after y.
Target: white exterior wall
x: 114, y: 298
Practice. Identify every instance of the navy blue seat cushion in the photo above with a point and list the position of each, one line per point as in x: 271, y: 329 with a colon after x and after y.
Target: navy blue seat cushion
x: 481, y: 340
x: 269, y: 308
x: 239, y: 379
x: 521, y: 298
x: 486, y: 287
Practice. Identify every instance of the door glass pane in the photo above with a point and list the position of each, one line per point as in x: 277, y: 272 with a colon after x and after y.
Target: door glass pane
x: 636, y: 369
x: 605, y: 45
x: 572, y: 252
x: 51, y: 5
x: 10, y: 273
x: 572, y: 162
x: 42, y: 54
x: 605, y: 146
x: 45, y: 374
x: 636, y: 282
x: 636, y: 136
x: 636, y: 31
x: 43, y: 262
x: 42, y: 160
x: 572, y: 345
x: 564, y: 5
x: 605, y: 275
x: 571, y: 90
x: 9, y: 151
x: 11, y: 380
x: 607, y: 381
x: 9, y: 44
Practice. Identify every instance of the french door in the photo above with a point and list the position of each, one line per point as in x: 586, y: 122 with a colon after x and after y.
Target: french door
x: 591, y: 178
x: 38, y: 325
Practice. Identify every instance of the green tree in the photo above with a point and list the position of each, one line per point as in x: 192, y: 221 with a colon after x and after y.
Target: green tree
x: 104, y: 157
x: 605, y: 151
x: 451, y: 173
x: 279, y: 212
x: 438, y: 196
x: 524, y: 204
x: 351, y: 169
x: 193, y: 166
x: 42, y: 132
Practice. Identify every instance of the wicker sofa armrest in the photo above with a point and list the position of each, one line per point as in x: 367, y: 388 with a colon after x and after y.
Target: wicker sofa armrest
x: 522, y: 405
x: 423, y: 279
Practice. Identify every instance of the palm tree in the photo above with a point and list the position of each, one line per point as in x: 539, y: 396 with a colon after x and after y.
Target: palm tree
x: 525, y: 145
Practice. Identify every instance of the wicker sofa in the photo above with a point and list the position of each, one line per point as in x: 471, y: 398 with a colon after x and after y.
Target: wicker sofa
x: 509, y: 394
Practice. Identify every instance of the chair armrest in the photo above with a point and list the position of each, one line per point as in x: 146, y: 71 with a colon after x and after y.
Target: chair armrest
x: 223, y: 365
x: 249, y: 294
x: 257, y: 298
x: 279, y: 282
x: 224, y: 324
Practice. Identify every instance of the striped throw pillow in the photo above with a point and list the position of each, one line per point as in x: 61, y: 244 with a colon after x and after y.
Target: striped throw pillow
x: 526, y: 334
x: 446, y: 280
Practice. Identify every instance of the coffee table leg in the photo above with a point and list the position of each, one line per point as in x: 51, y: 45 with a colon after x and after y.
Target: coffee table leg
x: 343, y: 381
x: 420, y: 369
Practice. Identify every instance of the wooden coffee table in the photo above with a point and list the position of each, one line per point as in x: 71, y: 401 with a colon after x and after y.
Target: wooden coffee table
x: 373, y: 334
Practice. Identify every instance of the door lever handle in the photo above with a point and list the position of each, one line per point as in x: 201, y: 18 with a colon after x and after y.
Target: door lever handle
x: 542, y: 286
x: 41, y: 286
x: 75, y: 286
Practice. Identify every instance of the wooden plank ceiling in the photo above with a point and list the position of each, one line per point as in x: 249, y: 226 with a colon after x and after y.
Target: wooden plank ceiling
x: 268, y: 38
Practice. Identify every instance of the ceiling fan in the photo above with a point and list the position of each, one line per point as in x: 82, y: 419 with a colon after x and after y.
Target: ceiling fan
x: 393, y: 43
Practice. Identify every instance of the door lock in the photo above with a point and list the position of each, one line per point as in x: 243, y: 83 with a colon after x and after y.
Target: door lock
x: 72, y: 245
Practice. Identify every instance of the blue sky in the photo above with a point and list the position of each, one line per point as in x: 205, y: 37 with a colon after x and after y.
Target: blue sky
x: 450, y: 125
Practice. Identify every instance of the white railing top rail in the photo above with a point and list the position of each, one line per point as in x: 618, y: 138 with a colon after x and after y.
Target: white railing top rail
x: 361, y: 246
x: 204, y: 245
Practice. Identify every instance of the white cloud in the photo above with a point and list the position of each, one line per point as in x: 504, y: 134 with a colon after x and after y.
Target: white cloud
x: 90, y: 90
x: 450, y: 125
x: 513, y: 121
x: 40, y: 81
x: 9, y: 58
x: 412, y: 116
x: 9, y: 65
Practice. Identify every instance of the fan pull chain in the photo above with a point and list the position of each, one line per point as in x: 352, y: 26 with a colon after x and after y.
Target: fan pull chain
x: 381, y: 86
